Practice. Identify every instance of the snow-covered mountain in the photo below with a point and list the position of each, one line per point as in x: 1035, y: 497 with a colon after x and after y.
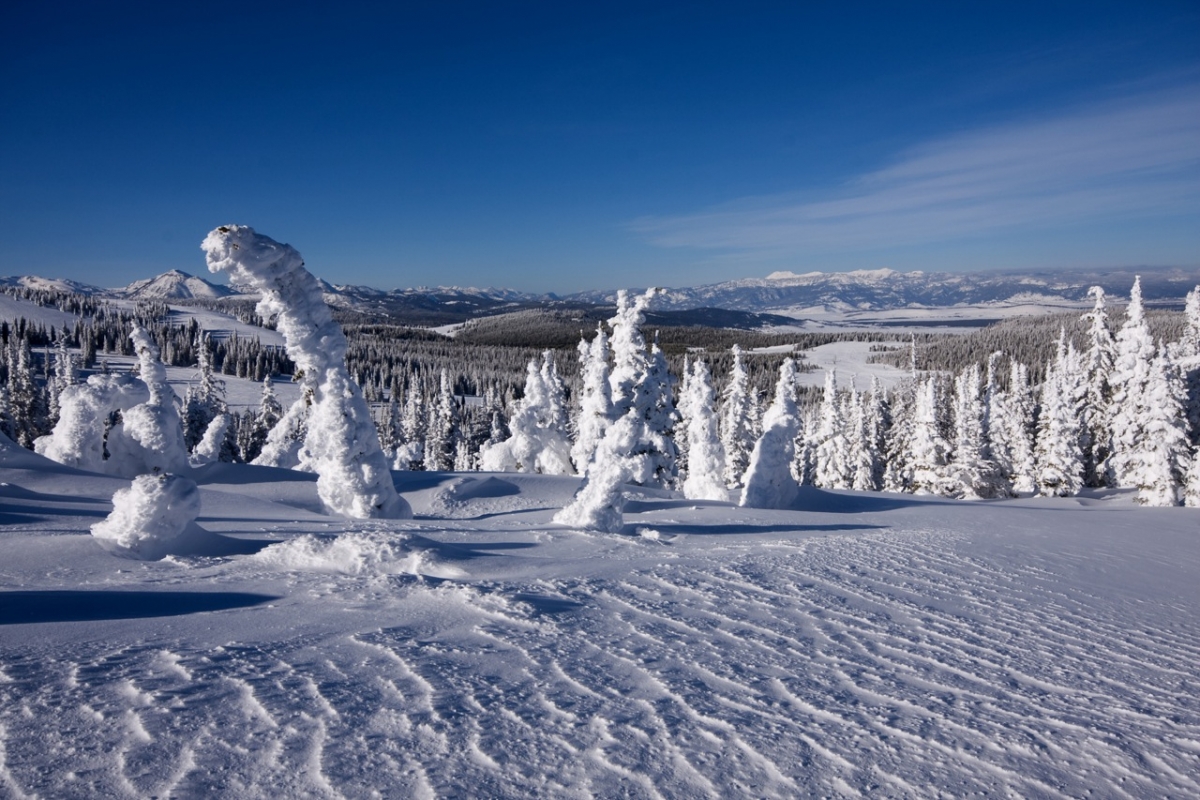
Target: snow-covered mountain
x: 37, y: 283
x: 887, y: 289
x: 175, y: 285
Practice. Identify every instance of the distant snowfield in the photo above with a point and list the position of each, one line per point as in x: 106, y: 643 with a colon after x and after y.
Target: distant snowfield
x: 863, y: 645
x: 850, y: 361
x: 925, y: 319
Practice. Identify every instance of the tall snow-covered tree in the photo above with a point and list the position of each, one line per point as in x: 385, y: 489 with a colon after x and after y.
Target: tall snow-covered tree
x: 1059, y: 455
x: 595, y: 399
x: 441, y: 428
x: 341, y: 445
x: 928, y: 449
x: 1135, y: 352
x: 971, y: 472
x: 769, y: 481
x: 537, y: 440
x: 832, y: 451
x: 204, y: 401
x: 737, y: 421
x: 150, y: 435
x: 1161, y: 460
x: 706, y: 457
x: 1098, y: 366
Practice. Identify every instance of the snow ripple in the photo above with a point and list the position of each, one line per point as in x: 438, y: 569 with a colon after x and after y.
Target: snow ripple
x: 894, y: 665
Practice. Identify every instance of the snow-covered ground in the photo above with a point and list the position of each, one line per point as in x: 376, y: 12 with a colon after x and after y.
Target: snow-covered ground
x: 861, y: 645
x: 851, y: 361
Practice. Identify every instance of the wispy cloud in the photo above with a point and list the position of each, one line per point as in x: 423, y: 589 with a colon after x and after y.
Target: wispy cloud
x: 1134, y: 157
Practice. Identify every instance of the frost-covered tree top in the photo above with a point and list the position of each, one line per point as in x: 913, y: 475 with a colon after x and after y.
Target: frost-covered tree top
x: 288, y: 290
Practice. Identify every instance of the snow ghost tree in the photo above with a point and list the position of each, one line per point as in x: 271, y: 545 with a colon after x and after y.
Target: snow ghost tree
x: 1161, y: 460
x: 832, y: 447
x: 1059, y: 456
x: 150, y: 435
x: 595, y: 402
x: 151, y: 516
x: 537, y: 439
x: 706, y: 457
x: 78, y: 438
x: 769, y: 481
x: 341, y: 445
x: 737, y: 421
x: 1135, y: 352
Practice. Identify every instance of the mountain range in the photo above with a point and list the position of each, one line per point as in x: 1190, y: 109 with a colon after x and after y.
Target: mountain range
x: 779, y: 295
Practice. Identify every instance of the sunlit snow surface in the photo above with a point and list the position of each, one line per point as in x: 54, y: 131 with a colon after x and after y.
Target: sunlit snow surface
x: 877, y: 645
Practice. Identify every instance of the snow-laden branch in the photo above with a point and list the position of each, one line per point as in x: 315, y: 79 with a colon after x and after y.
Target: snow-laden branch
x: 341, y: 444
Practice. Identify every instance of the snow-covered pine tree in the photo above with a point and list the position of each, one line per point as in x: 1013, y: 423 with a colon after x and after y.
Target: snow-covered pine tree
x: 1186, y: 355
x: 26, y: 402
x: 661, y: 419
x: 1098, y: 366
x: 970, y: 472
x: 411, y: 454
x: 441, y: 428
x: 706, y: 457
x: 150, y: 435
x: 861, y: 448
x: 928, y: 449
x: 737, y: 421
x: 832, y: 451
x: 1127, y: 411
x: 341, y: 445
x: 595, y: 399
x: 537, y: 440
x: 64, y: 375
x: 879, y: 422
x: 682, y: 445
x: 1161, y: 459
x: 1019, y: 422
x: 204, y: 401
x: 769, y: 481
x: 897, y: 473
x: 1059, y: 456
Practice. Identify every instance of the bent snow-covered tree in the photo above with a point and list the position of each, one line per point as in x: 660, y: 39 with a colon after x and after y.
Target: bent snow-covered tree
x: 341, y: 444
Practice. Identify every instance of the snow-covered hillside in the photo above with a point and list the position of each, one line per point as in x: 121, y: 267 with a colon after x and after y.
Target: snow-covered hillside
x: 856, y: 646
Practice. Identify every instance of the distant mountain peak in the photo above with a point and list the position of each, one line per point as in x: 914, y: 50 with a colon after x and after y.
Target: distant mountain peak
x: 175, y: 284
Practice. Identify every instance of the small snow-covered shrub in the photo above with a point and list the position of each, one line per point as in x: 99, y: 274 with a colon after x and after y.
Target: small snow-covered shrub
x: 150, y: 516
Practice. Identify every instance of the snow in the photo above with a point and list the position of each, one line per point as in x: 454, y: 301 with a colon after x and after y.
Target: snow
x: 862, y: 644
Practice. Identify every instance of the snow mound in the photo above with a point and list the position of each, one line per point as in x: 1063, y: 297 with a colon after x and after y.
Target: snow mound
x: 154, y: 517
x: 355, y: 553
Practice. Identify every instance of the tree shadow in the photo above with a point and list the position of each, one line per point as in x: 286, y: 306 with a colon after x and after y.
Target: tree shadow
x: 465, y: 551
x: 55, y: 605
x: 735, y: 528
x: 27, y: 516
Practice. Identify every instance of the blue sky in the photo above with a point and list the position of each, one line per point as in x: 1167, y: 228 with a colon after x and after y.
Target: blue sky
x: 560, y: 147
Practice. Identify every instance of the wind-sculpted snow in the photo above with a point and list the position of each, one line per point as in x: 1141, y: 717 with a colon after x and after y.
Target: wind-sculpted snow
x: 341, y: 444
x: 882, y: 647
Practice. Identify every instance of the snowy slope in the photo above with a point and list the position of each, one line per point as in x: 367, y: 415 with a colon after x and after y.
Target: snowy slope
x: 862, y: 646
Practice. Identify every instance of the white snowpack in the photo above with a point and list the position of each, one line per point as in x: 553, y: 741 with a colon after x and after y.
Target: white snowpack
x: 863, y: 645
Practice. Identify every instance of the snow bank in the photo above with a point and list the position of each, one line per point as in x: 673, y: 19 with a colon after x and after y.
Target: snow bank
x: 358, y: 553
x: 151, y: 518
x: 341, y: 444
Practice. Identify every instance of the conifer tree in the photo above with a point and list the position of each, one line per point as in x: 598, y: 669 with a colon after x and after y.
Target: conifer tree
x: 595, y: 399
x: 833, y: 469
x: 737, y: 422
x: 706, y: 457
x: 1059, y: 455
x: 928, y: 449
x: 1135, y: 352
x: 1098, y: 366
x: 769, y: 482
x: 1161, y: 459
